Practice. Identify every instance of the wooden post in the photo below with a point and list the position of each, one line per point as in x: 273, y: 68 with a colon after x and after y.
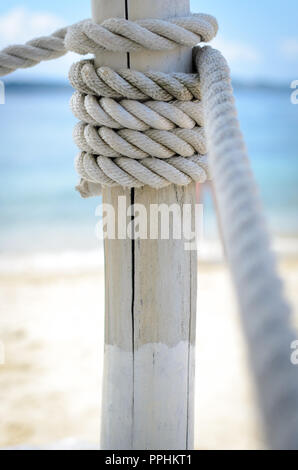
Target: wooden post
x: 148, y: 388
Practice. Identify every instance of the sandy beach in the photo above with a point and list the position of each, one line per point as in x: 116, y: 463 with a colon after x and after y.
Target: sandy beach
x: 51, y: 329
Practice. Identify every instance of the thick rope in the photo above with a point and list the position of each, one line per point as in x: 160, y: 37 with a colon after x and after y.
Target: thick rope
x: 138, y: 145
x: 135, y: 115
x: 21, y: 56
x: 115, y: 34
x: 132, y: 84
x: 158, y: 127
x: 130, y: 173
x: 121, y: 35
x: 154, y: 136
x: 265, y: 312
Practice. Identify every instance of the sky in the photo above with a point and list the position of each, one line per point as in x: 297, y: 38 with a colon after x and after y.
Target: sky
x: 258, y: 37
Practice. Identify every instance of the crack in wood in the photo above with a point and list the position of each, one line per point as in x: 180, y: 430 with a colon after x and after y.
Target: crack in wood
x: 189, y: 352
x: 132, y: 199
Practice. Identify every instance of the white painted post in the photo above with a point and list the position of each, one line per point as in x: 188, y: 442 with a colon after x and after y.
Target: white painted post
x: 148, y: 391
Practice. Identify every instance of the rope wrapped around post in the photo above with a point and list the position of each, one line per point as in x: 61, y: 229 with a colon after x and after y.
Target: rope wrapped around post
x: 133, y: 142
x: 136, y: 128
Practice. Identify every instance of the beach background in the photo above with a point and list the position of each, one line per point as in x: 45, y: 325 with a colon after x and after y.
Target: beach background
x: 52, y: 278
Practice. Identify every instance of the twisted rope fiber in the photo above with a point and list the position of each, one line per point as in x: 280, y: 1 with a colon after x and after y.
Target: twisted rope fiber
x: 129, y: 143
x: 265, y: 312
x: 132, y: 84
x: 115, y: 34
x: 93, y: 105
x: 135, y: 142
x: 121, y: 35
x: 132, y: 173
x: 20, y: 56
x: 136, y: 115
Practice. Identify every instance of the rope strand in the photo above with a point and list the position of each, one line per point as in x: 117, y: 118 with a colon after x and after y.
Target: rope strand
x: 132, y: 84
x: 115, y: 34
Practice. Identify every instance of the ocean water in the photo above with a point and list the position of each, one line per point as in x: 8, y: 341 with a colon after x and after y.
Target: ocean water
x: 39, y: 208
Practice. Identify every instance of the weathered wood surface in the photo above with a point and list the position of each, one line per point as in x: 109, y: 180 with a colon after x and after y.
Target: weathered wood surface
x: 148, y: 392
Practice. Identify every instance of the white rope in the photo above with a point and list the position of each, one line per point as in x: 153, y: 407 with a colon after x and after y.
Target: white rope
x: 136, y: 115
x: 131, y: 173
x: 132, y: 84
x: 115, y: 34
x: 134, y: 142
x: 139, y: 145
x: 121, y: 35
x: 265, y: 312
x: 20, y: 56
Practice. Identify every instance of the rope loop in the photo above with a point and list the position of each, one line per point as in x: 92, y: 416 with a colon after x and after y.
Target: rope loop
x: 136, y: 128
x: 121, y: 35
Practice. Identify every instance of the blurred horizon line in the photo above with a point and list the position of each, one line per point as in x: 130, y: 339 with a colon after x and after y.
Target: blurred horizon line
x: 52, y: 84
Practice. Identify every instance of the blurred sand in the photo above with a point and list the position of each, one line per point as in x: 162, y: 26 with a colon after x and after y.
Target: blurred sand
x: 52, y: 328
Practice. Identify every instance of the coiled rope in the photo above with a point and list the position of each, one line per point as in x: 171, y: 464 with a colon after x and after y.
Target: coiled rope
x: 136, y: 128
x: 153, y: 129
x: 160, y: 113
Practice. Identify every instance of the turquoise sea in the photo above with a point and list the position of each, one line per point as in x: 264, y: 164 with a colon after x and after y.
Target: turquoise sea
x: 41, y: 211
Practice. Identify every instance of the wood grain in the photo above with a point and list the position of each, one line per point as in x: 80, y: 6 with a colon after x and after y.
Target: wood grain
x: 150, y: 292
